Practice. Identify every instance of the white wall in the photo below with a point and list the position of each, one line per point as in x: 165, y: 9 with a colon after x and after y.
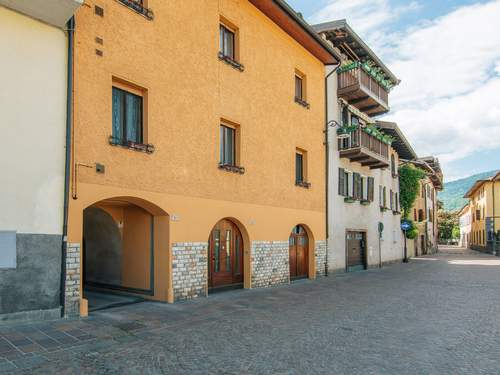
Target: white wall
x: 354, y: 216
x: 32, y: 124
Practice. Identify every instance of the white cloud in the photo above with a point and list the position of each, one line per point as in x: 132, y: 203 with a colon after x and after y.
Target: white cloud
x: 448, y: 101
x: 363, y: 15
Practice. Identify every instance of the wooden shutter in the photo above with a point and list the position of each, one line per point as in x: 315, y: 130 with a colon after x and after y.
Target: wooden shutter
x: 342, y: 182
x: 371, y: 186
x: 356, y: 180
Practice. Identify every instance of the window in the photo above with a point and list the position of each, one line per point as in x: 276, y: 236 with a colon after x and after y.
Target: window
x: 478, y: 214
x: 301, y: 168
x: 391, y: 199
x: 299, y: 89
x: 393, y: 166
x: 227, y: 145
x: 396, y: 201
x: 381, y: 196
x: 421, y: 215
x: 415, y: 214
x: 127, y: 117
x: 227, y: 42
x: 343, y: 182
x: 385, y: 197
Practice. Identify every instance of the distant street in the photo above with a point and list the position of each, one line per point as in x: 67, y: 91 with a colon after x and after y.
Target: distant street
x: 436, y: 315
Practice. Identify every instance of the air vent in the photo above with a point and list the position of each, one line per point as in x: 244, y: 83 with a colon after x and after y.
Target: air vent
x: 99, y: 11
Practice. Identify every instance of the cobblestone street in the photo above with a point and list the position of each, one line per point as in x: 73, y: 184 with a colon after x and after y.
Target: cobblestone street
x: 436, y: 315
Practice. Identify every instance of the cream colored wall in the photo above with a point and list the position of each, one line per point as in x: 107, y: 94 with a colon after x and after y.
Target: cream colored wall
x: 32, y: 124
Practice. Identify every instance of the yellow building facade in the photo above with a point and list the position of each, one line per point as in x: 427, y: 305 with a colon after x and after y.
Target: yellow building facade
x: 484, y: 206
x: 198, y: 160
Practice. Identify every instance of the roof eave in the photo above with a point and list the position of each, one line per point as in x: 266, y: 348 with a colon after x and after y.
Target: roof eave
x: 343, y: 24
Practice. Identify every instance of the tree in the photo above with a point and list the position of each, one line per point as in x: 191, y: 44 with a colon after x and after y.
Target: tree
x: 448, y: 225
x: 409, y: 178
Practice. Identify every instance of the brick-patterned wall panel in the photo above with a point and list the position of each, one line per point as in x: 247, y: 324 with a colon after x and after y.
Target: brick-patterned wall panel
x: 189, y: 270
x: 320, y: 252
x: 72, y: 282
x: 270, y: 263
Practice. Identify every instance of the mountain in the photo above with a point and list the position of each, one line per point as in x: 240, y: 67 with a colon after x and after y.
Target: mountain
x: 453, y: 192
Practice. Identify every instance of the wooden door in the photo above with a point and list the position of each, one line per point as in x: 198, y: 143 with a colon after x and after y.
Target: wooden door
x: 225, y: 266
x: 299, y: 253
x: 355, y: 242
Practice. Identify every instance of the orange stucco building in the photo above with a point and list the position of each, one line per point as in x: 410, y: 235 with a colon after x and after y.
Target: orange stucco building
x: 198, y: 160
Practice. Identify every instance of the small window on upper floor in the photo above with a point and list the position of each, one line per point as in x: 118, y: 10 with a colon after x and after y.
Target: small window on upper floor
x: 227, y: 42
x: 227, y: 145
x: 393, y: 166
x: 301, y: 89
x: 229, y: 45
x: 301, y: 168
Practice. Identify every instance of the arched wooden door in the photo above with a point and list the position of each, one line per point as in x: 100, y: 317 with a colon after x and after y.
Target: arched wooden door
x: 299, y: 253
x: 225, y: 256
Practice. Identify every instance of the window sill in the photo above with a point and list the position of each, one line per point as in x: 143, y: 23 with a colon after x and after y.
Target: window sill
x: 349, y: 200
x: 364, y: 202
x: 383, y: 209
x: 232, y: 168
x: 396, y: 212
x: 140, y: 147
x: 138, y: 8
x: 302, y: 102
x: 233, y: 63
x: 303, y: 184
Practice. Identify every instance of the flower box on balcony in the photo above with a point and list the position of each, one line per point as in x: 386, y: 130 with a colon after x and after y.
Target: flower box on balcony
x: 383, y: 209
x: 365, y: 202
x: 349, y: 200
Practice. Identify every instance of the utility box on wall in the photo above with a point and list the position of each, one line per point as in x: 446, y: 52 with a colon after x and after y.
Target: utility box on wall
x: 7, y: 249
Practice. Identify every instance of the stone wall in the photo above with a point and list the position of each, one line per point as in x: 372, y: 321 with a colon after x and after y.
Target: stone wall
x: 32, y: 288
x: 72, y: 282
x: 320, y: 252
x: 189, y: 270
x: 270, y: 263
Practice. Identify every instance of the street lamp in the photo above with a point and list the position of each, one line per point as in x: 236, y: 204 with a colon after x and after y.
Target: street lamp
x: 335, y: 124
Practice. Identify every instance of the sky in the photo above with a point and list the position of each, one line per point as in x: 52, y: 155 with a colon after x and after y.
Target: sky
x: 447, y: 55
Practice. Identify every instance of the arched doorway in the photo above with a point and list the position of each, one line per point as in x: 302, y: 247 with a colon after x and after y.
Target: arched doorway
x: 118, y: 253
x: 299, y: 253
x: 225, y: 256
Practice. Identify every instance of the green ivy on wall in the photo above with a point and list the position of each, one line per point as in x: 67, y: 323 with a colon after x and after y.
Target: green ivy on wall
x: 409, y: 178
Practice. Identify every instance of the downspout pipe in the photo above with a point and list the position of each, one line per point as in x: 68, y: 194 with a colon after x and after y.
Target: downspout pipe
x: 67, y: 164
x: 327, y: 157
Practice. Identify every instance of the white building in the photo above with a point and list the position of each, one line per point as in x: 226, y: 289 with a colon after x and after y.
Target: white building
x: 33, y: 102
x: 465, y: 222
x: 363, y: 185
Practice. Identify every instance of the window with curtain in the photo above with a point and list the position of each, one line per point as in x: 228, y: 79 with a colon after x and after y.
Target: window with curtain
x: 127, y: 117
x: 371, y: 188
x: 227, y: 145
x: 299, y: 168
x: 227, y: 42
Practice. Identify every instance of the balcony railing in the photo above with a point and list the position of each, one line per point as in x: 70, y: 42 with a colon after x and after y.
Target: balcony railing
x: 362, y: 90
x: 364, y: 148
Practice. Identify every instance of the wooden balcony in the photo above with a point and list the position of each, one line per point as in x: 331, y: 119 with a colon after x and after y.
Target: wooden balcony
x: 361, y: 90
x: 365, y: 149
